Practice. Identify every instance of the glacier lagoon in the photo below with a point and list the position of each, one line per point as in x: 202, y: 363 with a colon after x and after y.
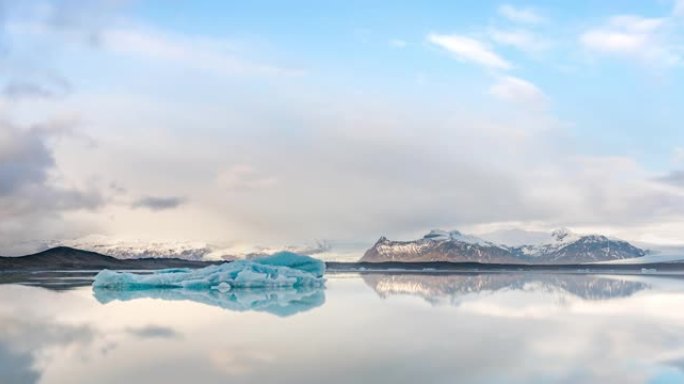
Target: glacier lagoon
x: 373, y: 327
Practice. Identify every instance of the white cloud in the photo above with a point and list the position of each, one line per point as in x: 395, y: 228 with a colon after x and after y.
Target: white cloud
x: 612, y: 191
x: 469, y: 49
x: 678, y: 155
x: 520, y: 39
x: 218, y: 56
x: 201, y: 53
x: 34, y: 193
x: 520, y: 15
x: 321, y: 157
x: 244, y: 177
x: 678, y: 9
x: 516, y: 90
x: 633, y: 36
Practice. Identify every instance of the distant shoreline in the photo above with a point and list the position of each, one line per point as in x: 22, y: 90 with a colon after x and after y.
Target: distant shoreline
x: 71, y: 259
x: 446, y: 267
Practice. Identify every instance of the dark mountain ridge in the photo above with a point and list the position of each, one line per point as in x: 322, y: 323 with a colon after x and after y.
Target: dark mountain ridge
x: 66, y: 258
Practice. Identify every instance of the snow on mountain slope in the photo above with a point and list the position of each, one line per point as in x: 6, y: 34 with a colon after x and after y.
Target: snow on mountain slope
x: 559, y: 238
x: 136, y: 249
x: 440, y: 235
x: 563, y: 247
x: 656, y: 254
x: 439, y: 245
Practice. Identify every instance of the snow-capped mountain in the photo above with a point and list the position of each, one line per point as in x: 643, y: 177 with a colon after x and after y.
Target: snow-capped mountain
x: 187, y: 250
x: 567, y: 247
x: 440, y: 246
x: 563, y: 248
x: 559, y: 238
x: 138, y: 249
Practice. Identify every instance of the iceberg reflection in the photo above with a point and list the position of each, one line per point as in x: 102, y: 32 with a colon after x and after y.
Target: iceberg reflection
x: 281, y: 302
x: 540, y: 329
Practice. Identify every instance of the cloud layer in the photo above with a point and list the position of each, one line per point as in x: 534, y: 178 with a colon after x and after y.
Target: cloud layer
x: 112, y: 121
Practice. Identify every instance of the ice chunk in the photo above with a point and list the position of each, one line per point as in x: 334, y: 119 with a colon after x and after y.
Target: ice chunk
x: 294, y: 260
x: 281, y: 302
x: 283, y: 269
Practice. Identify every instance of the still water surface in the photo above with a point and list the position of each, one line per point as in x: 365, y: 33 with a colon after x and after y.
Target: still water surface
x: 372, y: 328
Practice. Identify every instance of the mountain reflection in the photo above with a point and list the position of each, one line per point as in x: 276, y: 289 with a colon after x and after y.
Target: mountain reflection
x: 435, y: 288
x: 522, y: 328
x: 280, y: 302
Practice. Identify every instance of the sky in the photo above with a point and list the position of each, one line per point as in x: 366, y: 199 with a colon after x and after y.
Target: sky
x: 270, y: 123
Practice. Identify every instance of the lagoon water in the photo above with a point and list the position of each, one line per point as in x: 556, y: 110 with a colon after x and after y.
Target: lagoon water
x: 370, y: 328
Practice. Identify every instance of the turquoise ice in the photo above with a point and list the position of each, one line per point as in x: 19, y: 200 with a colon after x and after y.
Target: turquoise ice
x: 294, y: 260
x: 282, y: 302
x: 283, y: 269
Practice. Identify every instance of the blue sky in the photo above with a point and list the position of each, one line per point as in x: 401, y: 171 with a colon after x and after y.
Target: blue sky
x: 264, y: 123
x: 365, y: 47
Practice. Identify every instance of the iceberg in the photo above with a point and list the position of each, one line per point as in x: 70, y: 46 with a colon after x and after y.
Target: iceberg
x: 293, y: 260
x: 281, y: 302
x: 283, y: 269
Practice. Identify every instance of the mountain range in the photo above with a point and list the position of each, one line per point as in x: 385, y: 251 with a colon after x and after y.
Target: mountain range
x: 66, y: 258
x: 436, y: 249
x: 563, y: 247
x: 140, y: 249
